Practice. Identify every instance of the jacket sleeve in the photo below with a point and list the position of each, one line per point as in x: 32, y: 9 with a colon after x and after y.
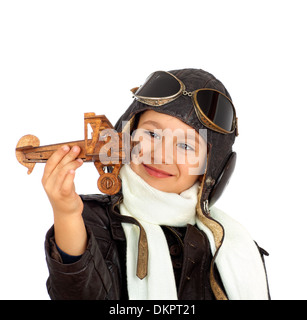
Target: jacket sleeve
x: 87, y: 279
x: 90, y: 277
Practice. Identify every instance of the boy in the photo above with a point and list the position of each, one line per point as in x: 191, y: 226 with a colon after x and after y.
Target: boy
x: 157, y: 238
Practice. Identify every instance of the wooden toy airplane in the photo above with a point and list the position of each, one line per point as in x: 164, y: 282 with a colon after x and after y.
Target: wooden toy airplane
x: 105, y: 149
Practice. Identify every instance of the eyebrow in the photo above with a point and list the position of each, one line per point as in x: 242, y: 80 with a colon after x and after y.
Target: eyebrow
x: 154, y: 123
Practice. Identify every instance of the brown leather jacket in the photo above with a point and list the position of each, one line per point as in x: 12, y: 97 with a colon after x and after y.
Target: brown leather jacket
x: 100, y: 273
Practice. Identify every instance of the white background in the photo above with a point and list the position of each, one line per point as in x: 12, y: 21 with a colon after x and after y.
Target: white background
x: 59, y: 59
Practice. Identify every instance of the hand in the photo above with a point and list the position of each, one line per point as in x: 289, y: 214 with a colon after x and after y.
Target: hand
x: 58, y: 181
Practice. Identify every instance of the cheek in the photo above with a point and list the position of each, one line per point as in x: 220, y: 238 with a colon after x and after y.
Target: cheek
x: 185, y: 173
x: 186, y: 180
x: 134, y: 167
x: 191, y: 170
x: 196, y: 163
x: 142, y: 152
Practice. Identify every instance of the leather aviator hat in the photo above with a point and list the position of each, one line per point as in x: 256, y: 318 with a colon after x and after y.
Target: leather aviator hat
x: 220, y: 157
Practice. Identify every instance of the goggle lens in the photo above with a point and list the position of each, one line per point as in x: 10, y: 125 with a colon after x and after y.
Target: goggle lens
x: 159, y: 85
x: 216, y: 107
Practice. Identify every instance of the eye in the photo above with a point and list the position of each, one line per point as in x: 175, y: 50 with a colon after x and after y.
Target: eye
x: 152, y: 134
x: 185, y: 146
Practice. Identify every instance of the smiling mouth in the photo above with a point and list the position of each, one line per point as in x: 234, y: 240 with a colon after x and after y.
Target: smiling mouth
x: 155, y: 172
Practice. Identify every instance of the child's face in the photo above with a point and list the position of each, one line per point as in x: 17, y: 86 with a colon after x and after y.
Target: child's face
x: 172, y: 154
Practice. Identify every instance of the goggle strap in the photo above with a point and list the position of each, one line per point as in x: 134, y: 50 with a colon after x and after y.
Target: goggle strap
x: 134, y: 90
x: 236, y: 127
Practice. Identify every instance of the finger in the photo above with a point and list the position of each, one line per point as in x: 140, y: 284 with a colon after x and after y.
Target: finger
x: 68, y: 186
x: 53, y: 162
x: 61, y: 175
x: 69, y: 157
x: 58, y: 160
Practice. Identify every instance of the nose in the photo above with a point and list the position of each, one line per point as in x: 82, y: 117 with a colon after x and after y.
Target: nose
x: 162, y: 151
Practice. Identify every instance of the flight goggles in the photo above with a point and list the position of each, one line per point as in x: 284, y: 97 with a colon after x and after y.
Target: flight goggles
x: 213, y: 108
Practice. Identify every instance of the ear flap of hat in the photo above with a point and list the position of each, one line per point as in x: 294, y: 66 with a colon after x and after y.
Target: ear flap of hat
x: 223, y: 179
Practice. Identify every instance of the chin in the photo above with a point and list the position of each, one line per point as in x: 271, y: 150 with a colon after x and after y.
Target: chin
x: 162, y: 188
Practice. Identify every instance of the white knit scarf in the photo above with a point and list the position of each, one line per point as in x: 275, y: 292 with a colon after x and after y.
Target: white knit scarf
x: 152, y: 208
